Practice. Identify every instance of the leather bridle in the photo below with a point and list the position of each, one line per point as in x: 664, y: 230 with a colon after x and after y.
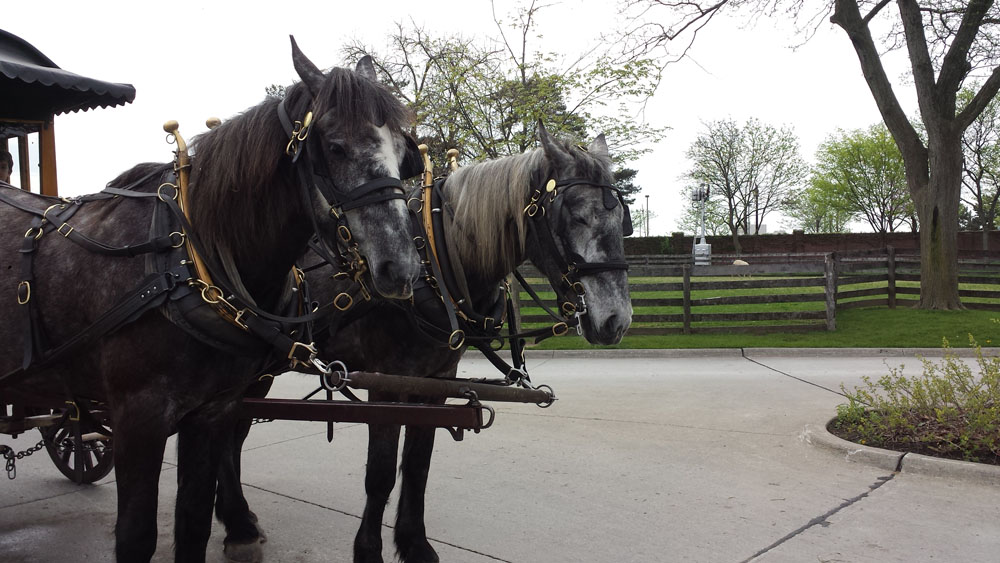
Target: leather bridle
x: 571, y: 265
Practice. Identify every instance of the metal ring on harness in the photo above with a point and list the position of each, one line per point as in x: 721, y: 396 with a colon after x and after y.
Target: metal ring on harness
x: 568, y: 308
x: 37, y: 235
x: 159, y: 192
x: 419, y: 208
x: 344, y: 233
x: 27, y: 292
x: 182, y: 236
x: 327, y: 373
x: 552, y: 397
x: 560, y: 329
x: 337, y: 301
x: 456, y: 340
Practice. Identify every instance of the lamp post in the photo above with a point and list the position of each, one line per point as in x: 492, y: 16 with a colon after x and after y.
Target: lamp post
x: 647, y: 215
x: 701, y: 251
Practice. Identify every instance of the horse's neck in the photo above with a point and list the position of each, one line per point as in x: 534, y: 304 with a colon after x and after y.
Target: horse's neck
x: 260, y: 256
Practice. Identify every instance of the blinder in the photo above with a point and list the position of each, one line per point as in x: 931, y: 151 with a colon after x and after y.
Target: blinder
x: 612, y: 197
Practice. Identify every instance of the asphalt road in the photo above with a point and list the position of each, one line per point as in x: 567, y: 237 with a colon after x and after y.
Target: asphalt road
x: 645, y: 457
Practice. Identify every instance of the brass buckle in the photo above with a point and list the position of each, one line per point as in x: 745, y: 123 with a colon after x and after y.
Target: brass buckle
x: 560, y: 329
x: 238, y: 319
x: 27, y: 292
x: 67, y: 233
x: 338, y: 300
x: 295, y: 361
x: 76, y: 409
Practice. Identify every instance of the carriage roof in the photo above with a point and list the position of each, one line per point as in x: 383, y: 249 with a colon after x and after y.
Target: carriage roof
x: 33, y: 90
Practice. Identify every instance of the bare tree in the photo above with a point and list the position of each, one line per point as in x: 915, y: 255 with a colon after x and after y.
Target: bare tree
x: 981, y: 178
x: 947, y: 41
x: 750, y: 168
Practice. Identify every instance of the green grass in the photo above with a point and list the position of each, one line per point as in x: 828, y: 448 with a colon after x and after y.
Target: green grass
x: 903, y: 327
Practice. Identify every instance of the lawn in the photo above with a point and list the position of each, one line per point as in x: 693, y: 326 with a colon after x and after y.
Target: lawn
x: 903, y: 327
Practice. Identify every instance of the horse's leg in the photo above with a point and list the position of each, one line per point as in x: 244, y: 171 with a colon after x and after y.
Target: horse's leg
x: 200, y: 442
x: 138, y: 452
x: 411, y: 536
x: 243, y: 535
x: 380, y: 478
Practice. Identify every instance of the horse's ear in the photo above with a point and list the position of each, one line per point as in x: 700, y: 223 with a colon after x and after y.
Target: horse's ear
x: 550, y: 147
x: 599, y: 148
x: 366, y: 68
x: 310, y: 74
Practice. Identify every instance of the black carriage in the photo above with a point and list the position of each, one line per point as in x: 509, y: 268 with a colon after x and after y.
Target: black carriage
x: 33, y: 90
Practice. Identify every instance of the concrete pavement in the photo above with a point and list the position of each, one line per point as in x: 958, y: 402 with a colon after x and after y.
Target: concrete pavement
x: 647, y: 456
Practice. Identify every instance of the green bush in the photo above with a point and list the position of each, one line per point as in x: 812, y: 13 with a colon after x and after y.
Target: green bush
x: 946, y: 411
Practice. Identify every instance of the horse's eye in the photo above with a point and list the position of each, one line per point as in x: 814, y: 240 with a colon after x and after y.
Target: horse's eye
x: 336, y: 147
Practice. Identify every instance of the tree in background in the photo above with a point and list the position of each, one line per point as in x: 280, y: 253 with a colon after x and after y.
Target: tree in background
x: 624, y: 181
x: 948, y: 43
x: 715, y: 218
x: 485, y: 98
x: 751, y: 169
x: 865, y: 169
x: 819, y: 208
x: 981, y: 178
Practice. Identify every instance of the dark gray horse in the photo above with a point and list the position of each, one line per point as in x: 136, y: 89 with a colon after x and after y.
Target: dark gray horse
x: 500, y: 214
x: 252, y: 209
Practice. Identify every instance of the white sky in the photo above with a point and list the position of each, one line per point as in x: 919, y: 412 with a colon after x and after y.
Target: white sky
x: 193, y: 60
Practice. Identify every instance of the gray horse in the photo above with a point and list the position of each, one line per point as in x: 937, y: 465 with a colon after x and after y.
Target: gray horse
x: 252, y: 209
x: 554, y: 206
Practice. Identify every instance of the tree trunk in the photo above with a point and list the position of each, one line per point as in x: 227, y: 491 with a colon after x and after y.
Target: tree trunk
x: 937, y: 211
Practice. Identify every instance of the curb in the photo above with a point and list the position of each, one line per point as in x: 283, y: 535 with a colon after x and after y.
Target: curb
x: 910, y: 463
x: 624, y: 353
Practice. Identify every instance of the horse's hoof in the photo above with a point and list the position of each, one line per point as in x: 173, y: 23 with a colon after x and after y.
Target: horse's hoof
x: 419, y: 553
x: 244, y: 552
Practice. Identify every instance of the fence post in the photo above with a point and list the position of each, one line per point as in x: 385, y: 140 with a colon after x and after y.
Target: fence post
x: 891, y: 269
x: 830, y: 274
x: 687, y: 298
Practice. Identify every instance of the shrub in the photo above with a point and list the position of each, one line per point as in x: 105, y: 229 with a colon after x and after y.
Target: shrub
x: 946, y: 411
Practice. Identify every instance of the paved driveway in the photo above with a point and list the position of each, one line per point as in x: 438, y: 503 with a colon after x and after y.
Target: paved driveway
x: 645, y: 459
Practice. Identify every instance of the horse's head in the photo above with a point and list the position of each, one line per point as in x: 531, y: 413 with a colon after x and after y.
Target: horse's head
x: 350, y: 136
x: 578, y: 221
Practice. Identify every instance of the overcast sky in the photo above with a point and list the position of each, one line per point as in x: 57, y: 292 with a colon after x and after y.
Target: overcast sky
x: 193, y: 60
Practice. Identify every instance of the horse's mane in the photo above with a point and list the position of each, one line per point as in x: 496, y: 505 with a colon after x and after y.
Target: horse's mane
x: 240, y: 170
x: 488, y: 200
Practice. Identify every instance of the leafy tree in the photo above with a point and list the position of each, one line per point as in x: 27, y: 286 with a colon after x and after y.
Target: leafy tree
x: 715, y: 218
x: 750, y: 168
x: 819, y: 208
x: 485, y: 97
x: 865, y: 169
x: 981, y: 174
x: 624, y: 181
x: 948, y: 42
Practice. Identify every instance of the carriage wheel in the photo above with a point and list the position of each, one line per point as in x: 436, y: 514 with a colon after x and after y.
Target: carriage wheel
x: 81, y: 451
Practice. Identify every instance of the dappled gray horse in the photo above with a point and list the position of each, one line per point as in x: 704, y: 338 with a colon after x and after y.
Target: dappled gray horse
x: 553, y: 205
x: 327, y: 157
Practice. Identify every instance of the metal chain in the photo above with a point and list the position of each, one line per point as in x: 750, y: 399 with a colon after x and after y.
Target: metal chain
x: 12, y: 457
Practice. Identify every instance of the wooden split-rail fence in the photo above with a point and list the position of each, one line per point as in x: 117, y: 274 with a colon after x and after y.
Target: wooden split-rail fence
x: 776, y: 292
